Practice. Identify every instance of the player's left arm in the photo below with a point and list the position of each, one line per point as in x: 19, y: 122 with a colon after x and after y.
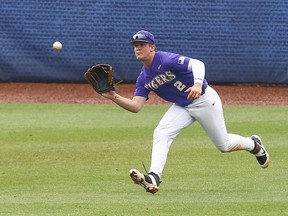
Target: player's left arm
x: 197, y: 67
x: 133, y: 105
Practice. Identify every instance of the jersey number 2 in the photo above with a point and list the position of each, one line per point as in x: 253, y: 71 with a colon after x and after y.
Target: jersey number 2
x: 179, y: 85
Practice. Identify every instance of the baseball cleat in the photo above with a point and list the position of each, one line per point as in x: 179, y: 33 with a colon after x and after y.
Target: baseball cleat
x: 150, y: 181
x: 261, y: 155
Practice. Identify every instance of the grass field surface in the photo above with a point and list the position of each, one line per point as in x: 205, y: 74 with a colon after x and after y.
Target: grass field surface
x: 75, y: 160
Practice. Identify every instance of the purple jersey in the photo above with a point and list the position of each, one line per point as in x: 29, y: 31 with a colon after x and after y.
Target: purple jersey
x: 168, y: 77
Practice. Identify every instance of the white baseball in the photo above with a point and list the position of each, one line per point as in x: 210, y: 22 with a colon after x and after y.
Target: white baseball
x: 57, y: 45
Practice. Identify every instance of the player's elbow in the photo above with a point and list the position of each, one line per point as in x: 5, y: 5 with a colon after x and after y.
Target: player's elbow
x: 135, y: 109
x: 137, y: 104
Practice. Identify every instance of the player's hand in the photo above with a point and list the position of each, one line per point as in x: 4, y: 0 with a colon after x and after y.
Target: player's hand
x: 109, y: 95
x: 194, y: 92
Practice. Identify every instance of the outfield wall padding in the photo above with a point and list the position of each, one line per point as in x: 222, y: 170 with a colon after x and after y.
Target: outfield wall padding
x: 239, y: 41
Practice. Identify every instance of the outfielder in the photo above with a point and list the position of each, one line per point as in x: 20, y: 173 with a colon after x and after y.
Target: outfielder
x: 180, y: 80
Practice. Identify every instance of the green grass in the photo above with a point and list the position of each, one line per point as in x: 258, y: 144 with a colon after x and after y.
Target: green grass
x: 75, y: 159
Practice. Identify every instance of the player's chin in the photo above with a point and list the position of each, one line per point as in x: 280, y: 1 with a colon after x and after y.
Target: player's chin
x: 139, y: 56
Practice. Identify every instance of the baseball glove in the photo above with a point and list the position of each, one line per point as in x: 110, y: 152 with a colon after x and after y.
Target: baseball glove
x: 100, y: 77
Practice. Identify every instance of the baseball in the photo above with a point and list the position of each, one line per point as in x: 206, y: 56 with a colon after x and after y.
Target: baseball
x: 57, y: 46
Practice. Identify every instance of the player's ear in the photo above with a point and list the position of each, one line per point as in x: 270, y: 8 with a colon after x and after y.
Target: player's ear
x: 153, y: 46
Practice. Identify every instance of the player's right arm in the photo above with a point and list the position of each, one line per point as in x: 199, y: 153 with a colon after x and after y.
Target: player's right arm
x: 133, y: 105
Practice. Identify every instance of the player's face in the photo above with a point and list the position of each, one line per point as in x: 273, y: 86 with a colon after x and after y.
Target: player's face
x: 143, y: 51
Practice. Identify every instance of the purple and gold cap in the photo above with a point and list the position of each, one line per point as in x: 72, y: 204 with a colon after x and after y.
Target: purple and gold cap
x: 143, y: 36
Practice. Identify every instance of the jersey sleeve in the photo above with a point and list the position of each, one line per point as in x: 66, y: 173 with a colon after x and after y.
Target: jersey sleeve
x: 183, y: 64
x: 177, y: 63
x: 140, y: 87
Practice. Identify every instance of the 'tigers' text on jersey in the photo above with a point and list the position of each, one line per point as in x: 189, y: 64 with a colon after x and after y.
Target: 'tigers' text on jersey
x: 160, y: 80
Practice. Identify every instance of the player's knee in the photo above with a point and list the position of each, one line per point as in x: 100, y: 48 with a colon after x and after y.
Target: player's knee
x: 223, y: 148
x: 162, y: 133
x: 158, y: 133
x: 230, y: 147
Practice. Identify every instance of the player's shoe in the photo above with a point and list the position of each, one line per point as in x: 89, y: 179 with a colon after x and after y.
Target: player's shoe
x: 260, y: 152
x: 149, y: 181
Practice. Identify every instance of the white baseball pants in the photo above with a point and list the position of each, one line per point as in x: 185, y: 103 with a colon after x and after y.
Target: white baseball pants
x: 207, y: 110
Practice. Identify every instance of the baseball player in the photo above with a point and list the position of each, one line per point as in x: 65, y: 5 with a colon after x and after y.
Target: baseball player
x: 180, y: 80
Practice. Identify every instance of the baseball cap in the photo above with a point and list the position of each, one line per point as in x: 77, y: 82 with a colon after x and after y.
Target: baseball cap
x: 143, y: 36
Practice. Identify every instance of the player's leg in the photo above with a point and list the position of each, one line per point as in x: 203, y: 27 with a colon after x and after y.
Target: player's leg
x: 209, y: 113
x: 174, y: 120
x: 207, y: 110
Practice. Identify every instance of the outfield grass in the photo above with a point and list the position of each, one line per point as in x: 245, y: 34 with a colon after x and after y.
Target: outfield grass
x: 75, y: 159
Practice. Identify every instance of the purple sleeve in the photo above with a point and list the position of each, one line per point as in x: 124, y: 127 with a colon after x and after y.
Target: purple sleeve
x: 140, y: 88
x: 177, y: 63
